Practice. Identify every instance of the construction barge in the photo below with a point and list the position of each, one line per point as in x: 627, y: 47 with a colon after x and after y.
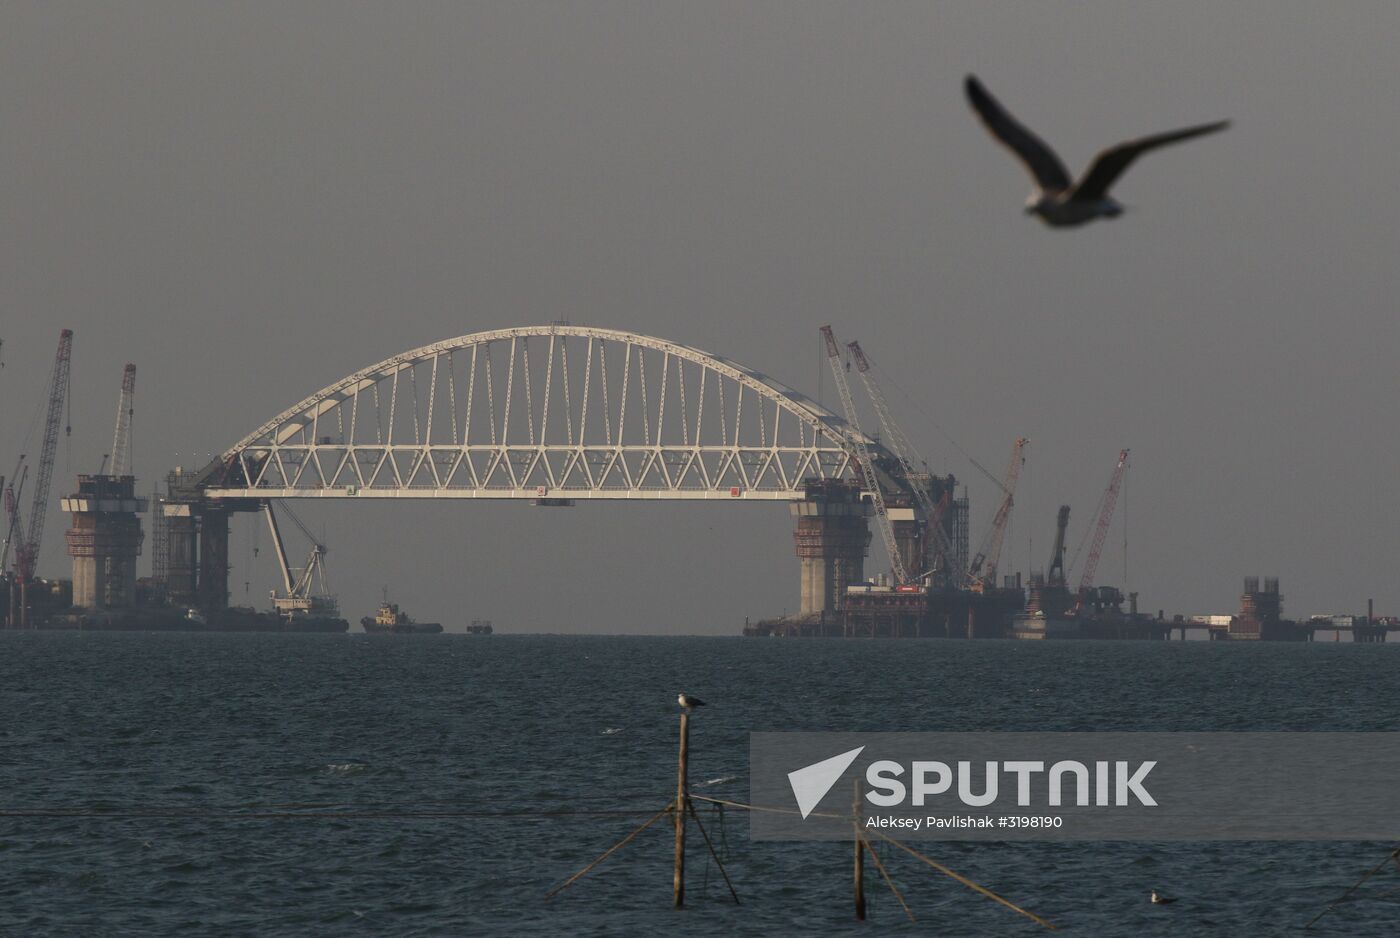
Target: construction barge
x: 1047, y: 612
x: 170, y: 619
x: 935, y: 591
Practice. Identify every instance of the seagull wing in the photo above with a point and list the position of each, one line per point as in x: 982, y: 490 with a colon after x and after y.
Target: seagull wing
x: 1111, y: 163
x: 1045, y: 166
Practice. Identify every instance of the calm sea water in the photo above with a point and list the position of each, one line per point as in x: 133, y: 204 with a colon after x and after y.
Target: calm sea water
x: 441, y: 785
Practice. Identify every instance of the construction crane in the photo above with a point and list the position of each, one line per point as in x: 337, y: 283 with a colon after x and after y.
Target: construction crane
x: 1056, y: 575
x: 121, y: 438
x: 904, y: 451
x: 14, y: 528
x: 897, y: 442
x: 299, y: 599
x: 863, y: 461
x: 1106, y: 506
x: 982, y: 572
x: 27, y: 553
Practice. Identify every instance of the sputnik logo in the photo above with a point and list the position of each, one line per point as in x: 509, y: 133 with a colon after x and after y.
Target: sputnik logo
x: 811, y: 783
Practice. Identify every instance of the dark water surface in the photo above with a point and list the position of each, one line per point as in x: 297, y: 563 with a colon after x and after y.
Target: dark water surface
x: 200, y: 773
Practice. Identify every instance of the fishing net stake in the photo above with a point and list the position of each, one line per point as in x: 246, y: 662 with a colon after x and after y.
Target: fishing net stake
x: 719, y: 863
x: 609, y: 852
x: 1393, y: 855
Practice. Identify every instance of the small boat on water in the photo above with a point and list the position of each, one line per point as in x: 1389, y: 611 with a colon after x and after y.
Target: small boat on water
x: 390, y: 620
x: 479, y: 627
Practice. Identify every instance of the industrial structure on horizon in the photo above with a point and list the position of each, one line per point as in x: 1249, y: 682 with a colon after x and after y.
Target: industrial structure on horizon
x: 595, y: 415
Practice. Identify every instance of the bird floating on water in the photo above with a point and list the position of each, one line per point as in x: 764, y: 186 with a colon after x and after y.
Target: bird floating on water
x: 689, y: 703
x: 1059, y: 202
x: 1161, y: 900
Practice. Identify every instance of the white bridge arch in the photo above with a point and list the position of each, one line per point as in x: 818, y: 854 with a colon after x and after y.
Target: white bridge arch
x: 543, y: 412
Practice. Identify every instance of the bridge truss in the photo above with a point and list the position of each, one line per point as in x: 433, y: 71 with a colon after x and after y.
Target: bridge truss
x: 556, y: 412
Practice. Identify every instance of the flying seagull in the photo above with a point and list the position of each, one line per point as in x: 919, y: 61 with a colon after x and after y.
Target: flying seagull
x: 1161, y: 900
x: 689, y: 703
x: 1058, y: 201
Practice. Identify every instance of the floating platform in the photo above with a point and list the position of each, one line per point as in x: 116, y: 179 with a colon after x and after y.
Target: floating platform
x: 237, y: 619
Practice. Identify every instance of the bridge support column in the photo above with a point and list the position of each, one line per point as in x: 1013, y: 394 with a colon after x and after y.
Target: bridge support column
x: 104, y: 541
x: 908, y: 539
x: 213, y: 560
x: 831, y: 539
x: 182, y: 536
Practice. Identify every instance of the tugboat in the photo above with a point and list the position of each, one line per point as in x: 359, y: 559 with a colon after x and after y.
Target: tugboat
x: 390, y: 619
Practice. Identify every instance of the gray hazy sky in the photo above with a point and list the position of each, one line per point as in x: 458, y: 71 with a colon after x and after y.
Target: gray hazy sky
x: 251, y: 200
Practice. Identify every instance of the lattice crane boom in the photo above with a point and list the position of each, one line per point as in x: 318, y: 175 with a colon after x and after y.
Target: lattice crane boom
x: 296, y: 582
x: 894, y: 436
x: 14, y: 528
x: 905, y: 452
x: 27, y: 556
x: 283, y: 567
x: 1110, y: 501
x: 1056, y: 574
x: 984, y: 566
x: 867, y: 467
x: 121, y: 437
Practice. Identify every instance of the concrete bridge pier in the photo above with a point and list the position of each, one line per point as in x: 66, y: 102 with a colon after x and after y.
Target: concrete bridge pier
x: 831, y: 539
x: 105, y: 540
x: 182, y: 536
x: 908, y: 539
x: 197, y: 546
x: 213, y: 560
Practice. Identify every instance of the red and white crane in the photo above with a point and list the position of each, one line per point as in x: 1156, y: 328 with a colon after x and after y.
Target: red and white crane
x: 862, y: 458
x: 982, y: 572
x: 1106, y: 506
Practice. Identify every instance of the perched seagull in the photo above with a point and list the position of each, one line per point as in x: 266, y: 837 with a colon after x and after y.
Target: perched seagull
x: 1161, y: 900
x: 689, y: 703
x: 1059, y: 202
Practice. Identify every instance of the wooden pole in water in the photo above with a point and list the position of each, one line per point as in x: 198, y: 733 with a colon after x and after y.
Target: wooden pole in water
x: 859, y: 855
x: 682, y: 804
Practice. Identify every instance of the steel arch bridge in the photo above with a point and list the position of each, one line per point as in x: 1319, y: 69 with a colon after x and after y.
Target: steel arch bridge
x: 555, y: 412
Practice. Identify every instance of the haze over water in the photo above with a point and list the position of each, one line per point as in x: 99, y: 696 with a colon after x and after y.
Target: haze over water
x: 251, y: 201
x: 475, y: 774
